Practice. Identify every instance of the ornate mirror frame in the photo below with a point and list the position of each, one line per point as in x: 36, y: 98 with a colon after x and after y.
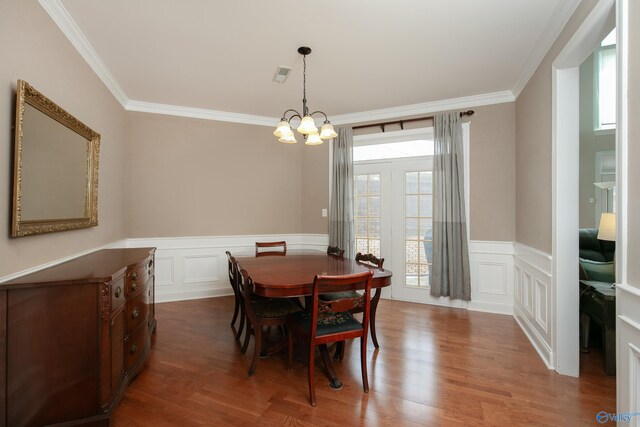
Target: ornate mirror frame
x: 21, y: 224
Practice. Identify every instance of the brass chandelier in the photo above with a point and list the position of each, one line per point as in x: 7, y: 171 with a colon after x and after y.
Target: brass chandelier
x: 307, y: 126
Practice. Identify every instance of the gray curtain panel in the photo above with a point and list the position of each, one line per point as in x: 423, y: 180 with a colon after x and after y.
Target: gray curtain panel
x: 341, y: 233
x: 450, y: 270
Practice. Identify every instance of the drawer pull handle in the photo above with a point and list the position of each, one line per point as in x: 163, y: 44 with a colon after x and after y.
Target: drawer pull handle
x: 118, y: 292
x: 126, y: 338
x: 135, y: 275
x: 135, y: 313
x: 134, y: 348
x: 134, y: 286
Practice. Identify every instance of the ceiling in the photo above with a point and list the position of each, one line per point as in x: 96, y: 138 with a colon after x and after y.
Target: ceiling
x: 370, y: 59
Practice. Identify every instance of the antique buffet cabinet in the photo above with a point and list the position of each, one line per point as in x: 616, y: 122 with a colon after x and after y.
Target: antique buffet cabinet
x: 72, y: 337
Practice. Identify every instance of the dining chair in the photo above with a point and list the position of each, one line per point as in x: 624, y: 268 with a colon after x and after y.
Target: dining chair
x: 331, y: 321
x: 373, y: 261
x: 238, y: 310
x: 261, y: 313
x: 272, y: 248
x: 335, y: 251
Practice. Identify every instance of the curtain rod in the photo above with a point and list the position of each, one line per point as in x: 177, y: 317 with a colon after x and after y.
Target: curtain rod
x: 402, y: 122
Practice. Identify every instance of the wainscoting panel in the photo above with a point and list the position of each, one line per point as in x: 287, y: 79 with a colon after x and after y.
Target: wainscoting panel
x: 491, y: 265
x: 196, y: 267
x: 533, y: 299
x: 628, y: 350
x: 164, y: 271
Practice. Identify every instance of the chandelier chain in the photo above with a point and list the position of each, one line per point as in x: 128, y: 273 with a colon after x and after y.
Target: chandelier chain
x: 304, y: 85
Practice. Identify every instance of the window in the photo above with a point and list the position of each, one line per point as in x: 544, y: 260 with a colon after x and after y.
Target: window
x: 418, y: 234
x: 605, y: 82
x: 367, y: 213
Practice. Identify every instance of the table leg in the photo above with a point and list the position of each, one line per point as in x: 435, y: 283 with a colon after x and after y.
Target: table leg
x: 334, y: 382
x: 372, y: 317
x: 585, y: 323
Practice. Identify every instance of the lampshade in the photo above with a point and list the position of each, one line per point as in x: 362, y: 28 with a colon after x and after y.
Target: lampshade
x: 307, y: 126
x: 313, y: 138
x: 327, y: 131
x: 282, y: 129
x: 605, y: 185
x: 288, y: 138
x: 607, y: 228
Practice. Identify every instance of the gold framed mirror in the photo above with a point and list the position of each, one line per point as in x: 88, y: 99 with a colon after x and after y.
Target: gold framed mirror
x: 55, y: 170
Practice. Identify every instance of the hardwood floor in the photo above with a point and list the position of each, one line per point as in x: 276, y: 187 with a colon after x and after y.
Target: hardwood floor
x: 436, y: 366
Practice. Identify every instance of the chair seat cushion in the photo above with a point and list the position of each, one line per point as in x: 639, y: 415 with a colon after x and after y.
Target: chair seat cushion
x: 333, y: 296
x: 275, y: 307
x: 328, y: 323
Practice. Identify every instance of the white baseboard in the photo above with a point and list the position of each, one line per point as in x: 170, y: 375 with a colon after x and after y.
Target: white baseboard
x: 539, y: 344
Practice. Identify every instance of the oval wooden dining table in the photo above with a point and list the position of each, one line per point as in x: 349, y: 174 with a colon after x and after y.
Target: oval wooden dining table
x: 291, y: 275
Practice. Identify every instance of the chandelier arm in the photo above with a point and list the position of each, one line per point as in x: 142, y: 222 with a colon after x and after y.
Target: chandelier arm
x: 326, y: 119
x: 291, y: 110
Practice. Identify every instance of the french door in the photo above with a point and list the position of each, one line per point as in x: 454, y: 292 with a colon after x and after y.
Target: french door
x: 393, y: 220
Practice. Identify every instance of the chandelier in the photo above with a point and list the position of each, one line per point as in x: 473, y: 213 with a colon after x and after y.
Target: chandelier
x: 307, y: 127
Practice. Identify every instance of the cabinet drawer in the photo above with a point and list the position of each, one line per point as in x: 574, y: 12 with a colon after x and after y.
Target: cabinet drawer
x: 138, y: 276
x: 135, y: 347
x: 117, y: 294
x: 137, y: 311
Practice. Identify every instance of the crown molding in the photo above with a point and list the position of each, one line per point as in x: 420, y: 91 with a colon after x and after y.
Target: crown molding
x: 199, y: 113
x: 559, y: 18
x: 70, y: 29
x: 425, y: 108
x: 61, y: 17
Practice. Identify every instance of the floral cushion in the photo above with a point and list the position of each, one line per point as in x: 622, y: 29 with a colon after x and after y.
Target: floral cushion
x: 328, y: 322
x: 332, y: 296
x: 275, y: 307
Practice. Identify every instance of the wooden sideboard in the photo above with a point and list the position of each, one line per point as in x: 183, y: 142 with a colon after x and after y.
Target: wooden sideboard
x: 72, y: 337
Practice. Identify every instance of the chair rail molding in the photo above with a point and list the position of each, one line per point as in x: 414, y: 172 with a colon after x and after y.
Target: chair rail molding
x: 533, y: 304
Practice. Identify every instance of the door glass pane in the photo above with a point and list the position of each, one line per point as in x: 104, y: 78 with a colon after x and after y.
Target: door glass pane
x: 367, y: 213
x: 418, y: 228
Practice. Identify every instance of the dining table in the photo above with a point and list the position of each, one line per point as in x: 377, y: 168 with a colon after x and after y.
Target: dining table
x: 292, y: 275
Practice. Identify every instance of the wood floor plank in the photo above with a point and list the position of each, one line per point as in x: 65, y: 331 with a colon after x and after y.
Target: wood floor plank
x: 436, y: 366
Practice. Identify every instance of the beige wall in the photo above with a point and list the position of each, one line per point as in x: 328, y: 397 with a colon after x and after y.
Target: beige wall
x: 315, y: 189
x: 533, y: 145
x: 493, y: 173
x: 633, y: 113
x: 189, y: 177
x: 33, y: 49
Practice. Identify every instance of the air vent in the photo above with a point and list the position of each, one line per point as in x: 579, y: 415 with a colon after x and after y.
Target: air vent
x: 281, y: 74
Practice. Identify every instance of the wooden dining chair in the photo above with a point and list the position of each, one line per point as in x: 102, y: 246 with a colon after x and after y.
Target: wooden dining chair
x: 261, y: 313
x: 373, y: 261
x: 331, y: 321
x: 272, y: 248
x: 238, y: 310
x: 335, y: 251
